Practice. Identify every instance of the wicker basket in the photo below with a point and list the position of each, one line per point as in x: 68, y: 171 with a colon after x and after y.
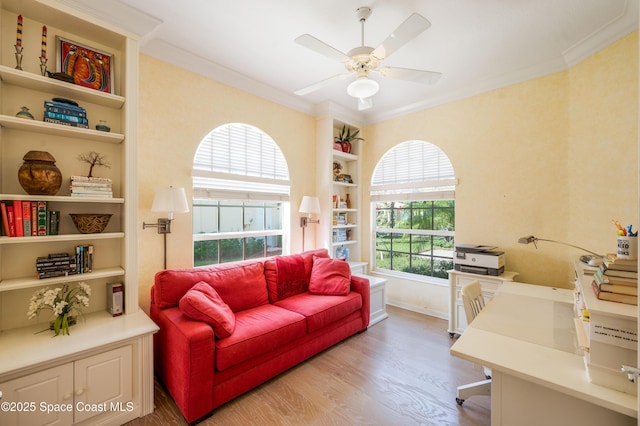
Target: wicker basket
x: 89, y: 223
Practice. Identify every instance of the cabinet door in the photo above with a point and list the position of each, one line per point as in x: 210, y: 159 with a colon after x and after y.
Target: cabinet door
x: 103, y: 383
x: 43, y: 398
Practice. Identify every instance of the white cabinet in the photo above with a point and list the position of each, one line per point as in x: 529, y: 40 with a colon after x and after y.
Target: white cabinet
x: 377, y: 299
x: 29, y: 398
x: 457, y: 280
x: 112, y: 361
x: 70, y: 393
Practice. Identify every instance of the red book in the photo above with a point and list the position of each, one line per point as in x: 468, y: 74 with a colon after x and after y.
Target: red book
x: 5, y: 219
x: 12, y: 223
x: 17, y: 214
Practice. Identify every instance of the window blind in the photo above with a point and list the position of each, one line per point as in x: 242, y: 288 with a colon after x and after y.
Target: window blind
x: 413, y: 170
x: 240, y: 161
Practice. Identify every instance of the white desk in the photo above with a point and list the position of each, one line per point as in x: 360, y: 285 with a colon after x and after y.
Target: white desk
x: 526, y: 336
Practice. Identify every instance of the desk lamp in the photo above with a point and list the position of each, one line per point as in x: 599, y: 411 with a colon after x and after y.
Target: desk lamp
x: 594, y: 260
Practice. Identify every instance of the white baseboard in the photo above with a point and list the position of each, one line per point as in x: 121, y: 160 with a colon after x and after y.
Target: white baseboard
x: 419, y: 309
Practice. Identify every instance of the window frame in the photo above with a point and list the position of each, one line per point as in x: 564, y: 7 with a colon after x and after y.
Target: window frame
x: 437, y: 184
x: 215, y: 187
x: 410, y: 232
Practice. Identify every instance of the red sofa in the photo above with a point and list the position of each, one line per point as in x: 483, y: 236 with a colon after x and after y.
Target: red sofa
x: 225, y: 329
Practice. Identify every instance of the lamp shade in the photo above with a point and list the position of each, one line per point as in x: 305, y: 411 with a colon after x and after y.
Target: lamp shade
x: 363, y: 87
x: 170, y: 200
x: 309, y: 205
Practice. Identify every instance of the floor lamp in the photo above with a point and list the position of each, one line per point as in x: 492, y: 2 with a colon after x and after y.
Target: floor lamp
x: 170, y: 200
x: 310, y: 206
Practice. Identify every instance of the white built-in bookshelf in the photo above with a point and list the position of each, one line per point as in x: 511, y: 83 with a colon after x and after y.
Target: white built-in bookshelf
x: 336, y: 233
x: 117, y: 350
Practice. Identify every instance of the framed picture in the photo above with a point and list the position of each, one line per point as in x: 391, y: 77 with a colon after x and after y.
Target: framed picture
x: 89, y: 67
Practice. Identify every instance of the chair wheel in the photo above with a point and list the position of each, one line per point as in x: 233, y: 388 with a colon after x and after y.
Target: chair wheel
x: 460, y: 401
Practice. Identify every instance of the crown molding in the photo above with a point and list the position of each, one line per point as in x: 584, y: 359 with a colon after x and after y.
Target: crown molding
x: 117, y: 13
x: 144, y: 25
x: 167, y: 52
x: 619, y: 27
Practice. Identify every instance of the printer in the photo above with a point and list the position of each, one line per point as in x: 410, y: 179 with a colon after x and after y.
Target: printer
x: 478, y: 259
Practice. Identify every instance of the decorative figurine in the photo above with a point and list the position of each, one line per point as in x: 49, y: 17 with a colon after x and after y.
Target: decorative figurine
x: 24, y: 113
x: 102, y: 126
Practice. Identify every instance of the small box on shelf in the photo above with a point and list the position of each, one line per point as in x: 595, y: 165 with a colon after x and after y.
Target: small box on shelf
x: 115, y: 299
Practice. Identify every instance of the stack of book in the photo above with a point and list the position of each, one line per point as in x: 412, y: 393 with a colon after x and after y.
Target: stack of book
x: 339, y: 235
x: 616, y: 280
x: 21, y: 218
x: 56, y: 265
x: 66, y: 114
x: 64, y: 264
x: 82, y: 186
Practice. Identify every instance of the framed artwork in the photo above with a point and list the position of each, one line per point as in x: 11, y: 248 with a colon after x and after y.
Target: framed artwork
x: 89, y: 67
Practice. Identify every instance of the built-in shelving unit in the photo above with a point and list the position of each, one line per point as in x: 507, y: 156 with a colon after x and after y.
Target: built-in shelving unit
x: 339, y: 191
x: 609, y: 333
x: 126, y: 340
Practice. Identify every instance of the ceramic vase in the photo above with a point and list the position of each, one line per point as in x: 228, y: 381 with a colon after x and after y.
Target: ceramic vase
x: 39, y: 175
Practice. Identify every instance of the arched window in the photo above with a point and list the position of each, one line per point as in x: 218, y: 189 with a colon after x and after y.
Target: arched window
x: 241, y: 187
x: 412, y: 194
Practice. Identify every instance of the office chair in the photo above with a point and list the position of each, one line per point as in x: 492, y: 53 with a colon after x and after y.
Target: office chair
x: 473, y: 302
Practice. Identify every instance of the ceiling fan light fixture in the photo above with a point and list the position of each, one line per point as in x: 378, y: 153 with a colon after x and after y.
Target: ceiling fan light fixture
x: 363, y: 87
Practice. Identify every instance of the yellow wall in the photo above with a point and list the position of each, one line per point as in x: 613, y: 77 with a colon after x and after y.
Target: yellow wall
x: 522, y: 155
x: 603, y: 150
x: 540, y: 157
x: 177, y: 109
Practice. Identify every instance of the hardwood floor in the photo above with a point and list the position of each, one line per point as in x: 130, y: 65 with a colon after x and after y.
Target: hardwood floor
x: 398, y: 372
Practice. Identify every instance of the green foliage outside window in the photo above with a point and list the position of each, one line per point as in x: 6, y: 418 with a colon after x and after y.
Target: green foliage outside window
x: 413, y: 250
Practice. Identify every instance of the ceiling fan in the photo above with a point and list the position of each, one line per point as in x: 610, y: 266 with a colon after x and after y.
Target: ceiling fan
x: 363, y: 60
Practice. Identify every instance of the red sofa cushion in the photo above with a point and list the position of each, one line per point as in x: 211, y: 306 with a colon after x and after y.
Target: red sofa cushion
x: 203, y: 303
x: 330, y: 277
x: 258, y: 330
x: 289, y: 275
x: 241, y: 285
x: 320, y: 310
x: 292, y: 278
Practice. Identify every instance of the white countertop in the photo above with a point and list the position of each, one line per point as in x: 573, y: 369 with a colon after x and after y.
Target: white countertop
x: 527, y: 331
x: 28, y: 346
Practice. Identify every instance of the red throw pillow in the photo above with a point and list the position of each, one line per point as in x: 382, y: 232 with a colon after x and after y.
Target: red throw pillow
x: 330, y: 277
x: 291, y: 278
x: 203, y: 303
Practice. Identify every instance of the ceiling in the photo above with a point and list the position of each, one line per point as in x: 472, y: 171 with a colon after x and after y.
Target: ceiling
x: 476, y: 45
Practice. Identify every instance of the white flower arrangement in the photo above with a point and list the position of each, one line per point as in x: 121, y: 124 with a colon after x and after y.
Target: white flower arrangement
x: 62, y: 301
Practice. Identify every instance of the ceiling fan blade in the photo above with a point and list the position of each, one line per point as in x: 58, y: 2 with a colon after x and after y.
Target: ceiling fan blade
x: 418, y: 76
x: 310, y: 42
x: 319, y: 85
x: 407, y: 31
